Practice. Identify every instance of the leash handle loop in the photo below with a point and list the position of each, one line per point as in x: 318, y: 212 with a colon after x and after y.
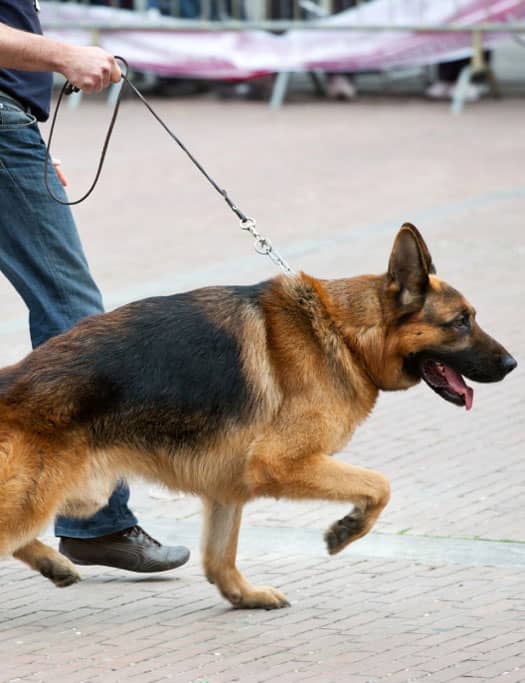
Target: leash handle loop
x: 67, y: 89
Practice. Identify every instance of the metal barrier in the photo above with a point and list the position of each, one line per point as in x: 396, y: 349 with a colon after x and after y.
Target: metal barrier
x: 281, y: 16
x: 234, y: 9
x: 277, y: 14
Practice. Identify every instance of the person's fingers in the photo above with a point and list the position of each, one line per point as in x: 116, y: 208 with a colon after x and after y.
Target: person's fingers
x: 62, y: 177
x: 106, y: 80
x: 116, y: 73
x: 95, y: 82
x: 99, y: 84
x: 58, y: 171
x: 87, y: 82
x: 92, y: 69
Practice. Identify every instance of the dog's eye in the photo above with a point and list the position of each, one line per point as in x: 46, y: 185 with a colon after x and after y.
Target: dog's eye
x: 462, y: 322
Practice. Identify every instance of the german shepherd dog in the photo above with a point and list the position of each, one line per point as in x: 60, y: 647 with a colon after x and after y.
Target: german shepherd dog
x: 230, y: 393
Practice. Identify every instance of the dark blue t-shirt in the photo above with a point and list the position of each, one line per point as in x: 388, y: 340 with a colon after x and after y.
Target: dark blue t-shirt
x: 32, y: 88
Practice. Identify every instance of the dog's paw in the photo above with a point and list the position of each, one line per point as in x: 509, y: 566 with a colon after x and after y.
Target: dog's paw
x: 62, y: 573
x: 260, y: 597
x: 344, y: 531
x: 264, y: 597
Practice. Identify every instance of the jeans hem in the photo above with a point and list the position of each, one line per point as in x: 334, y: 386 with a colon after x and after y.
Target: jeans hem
x: 97, y: 532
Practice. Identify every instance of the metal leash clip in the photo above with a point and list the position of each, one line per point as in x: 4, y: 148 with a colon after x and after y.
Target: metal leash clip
x: 264, y: 246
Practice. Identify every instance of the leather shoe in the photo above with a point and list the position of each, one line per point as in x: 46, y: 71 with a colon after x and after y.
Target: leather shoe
x: 132, y: 549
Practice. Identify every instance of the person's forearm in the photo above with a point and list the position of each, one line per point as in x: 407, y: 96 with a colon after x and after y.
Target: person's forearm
x: 87, y: 68
x: 31, y: 52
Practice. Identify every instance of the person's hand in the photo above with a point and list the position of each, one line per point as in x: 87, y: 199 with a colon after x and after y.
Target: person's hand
x: 58, y: 171
x: 90, y: 68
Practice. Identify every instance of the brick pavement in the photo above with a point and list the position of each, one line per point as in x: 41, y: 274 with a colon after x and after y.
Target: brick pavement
x: 330, y: 184
x: 362, y: 620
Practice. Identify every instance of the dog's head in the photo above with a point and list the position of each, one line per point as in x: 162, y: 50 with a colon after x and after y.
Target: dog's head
x: 430, y: 329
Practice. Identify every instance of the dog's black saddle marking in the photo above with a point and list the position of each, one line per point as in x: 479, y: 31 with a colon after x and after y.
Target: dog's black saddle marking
x: 173, y: 375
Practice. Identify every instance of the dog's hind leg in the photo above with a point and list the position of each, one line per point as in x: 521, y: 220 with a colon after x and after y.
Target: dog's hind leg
x: 221, y: 531
x: 321, y: 477
x: 50, y: 563
x: 32, y: 484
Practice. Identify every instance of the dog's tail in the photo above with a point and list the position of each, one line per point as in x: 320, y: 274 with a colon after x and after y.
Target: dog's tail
x: 8, y: 379
x: 25, y: 507
x: 21, y: 468
x: 43, y: 393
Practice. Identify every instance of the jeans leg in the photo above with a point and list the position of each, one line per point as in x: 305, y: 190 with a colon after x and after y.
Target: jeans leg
x: 113, y: 517
x: 41, y: 254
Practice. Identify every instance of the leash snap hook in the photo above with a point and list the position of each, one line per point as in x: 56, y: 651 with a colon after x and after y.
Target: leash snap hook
x: 263, y: 246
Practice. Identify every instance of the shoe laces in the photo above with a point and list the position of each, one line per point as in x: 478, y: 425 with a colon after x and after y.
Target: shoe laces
x: 138, y: 532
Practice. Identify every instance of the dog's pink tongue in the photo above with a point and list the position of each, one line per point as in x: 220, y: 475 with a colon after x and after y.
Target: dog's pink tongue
x: 457, y: 383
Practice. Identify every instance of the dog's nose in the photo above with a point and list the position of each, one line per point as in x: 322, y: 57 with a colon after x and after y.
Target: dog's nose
x: 508, y: 363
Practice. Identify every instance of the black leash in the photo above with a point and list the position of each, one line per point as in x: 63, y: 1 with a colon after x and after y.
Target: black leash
x: 262, y: 244
x: 68, y: 88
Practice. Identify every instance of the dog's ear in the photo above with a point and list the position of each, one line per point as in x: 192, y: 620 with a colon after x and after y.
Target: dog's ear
x: 409, y: 267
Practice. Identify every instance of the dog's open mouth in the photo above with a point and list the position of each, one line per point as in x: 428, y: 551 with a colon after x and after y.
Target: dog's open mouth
x: 447, y: 383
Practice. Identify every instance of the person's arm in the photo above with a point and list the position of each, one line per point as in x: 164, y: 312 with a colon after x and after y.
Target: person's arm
x: 89, y: 68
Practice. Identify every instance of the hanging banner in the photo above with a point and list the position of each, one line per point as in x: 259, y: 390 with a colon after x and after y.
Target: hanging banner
x: 233, y: 55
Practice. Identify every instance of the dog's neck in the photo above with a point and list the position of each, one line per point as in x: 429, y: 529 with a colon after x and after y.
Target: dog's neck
x: 328, y: 318
x: 356, y: 307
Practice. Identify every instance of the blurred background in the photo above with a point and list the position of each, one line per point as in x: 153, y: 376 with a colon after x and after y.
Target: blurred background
x: 267, y: 49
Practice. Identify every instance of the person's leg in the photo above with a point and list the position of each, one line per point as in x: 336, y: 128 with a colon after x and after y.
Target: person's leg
x: 40, y: 251
x: 448, y: 72
x: 475, y: 85
x: 41, y: 254
x: 115, y: 516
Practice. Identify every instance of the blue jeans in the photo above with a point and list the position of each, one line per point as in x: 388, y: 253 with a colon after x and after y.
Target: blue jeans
x: 42, y: 256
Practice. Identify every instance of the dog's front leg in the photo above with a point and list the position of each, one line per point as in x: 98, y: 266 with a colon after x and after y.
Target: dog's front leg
x: 221, y: 531
x: 319, y: 476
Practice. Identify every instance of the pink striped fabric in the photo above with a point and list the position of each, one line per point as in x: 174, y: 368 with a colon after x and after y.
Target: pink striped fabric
x: 238, y: 55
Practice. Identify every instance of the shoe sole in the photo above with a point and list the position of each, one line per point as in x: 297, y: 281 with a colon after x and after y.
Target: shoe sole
x: 146, y: 569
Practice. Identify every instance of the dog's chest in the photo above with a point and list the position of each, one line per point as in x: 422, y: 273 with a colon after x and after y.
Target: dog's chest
x: 327, y: 424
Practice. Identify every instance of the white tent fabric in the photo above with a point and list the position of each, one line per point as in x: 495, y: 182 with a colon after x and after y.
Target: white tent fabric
x: 232, y: 55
